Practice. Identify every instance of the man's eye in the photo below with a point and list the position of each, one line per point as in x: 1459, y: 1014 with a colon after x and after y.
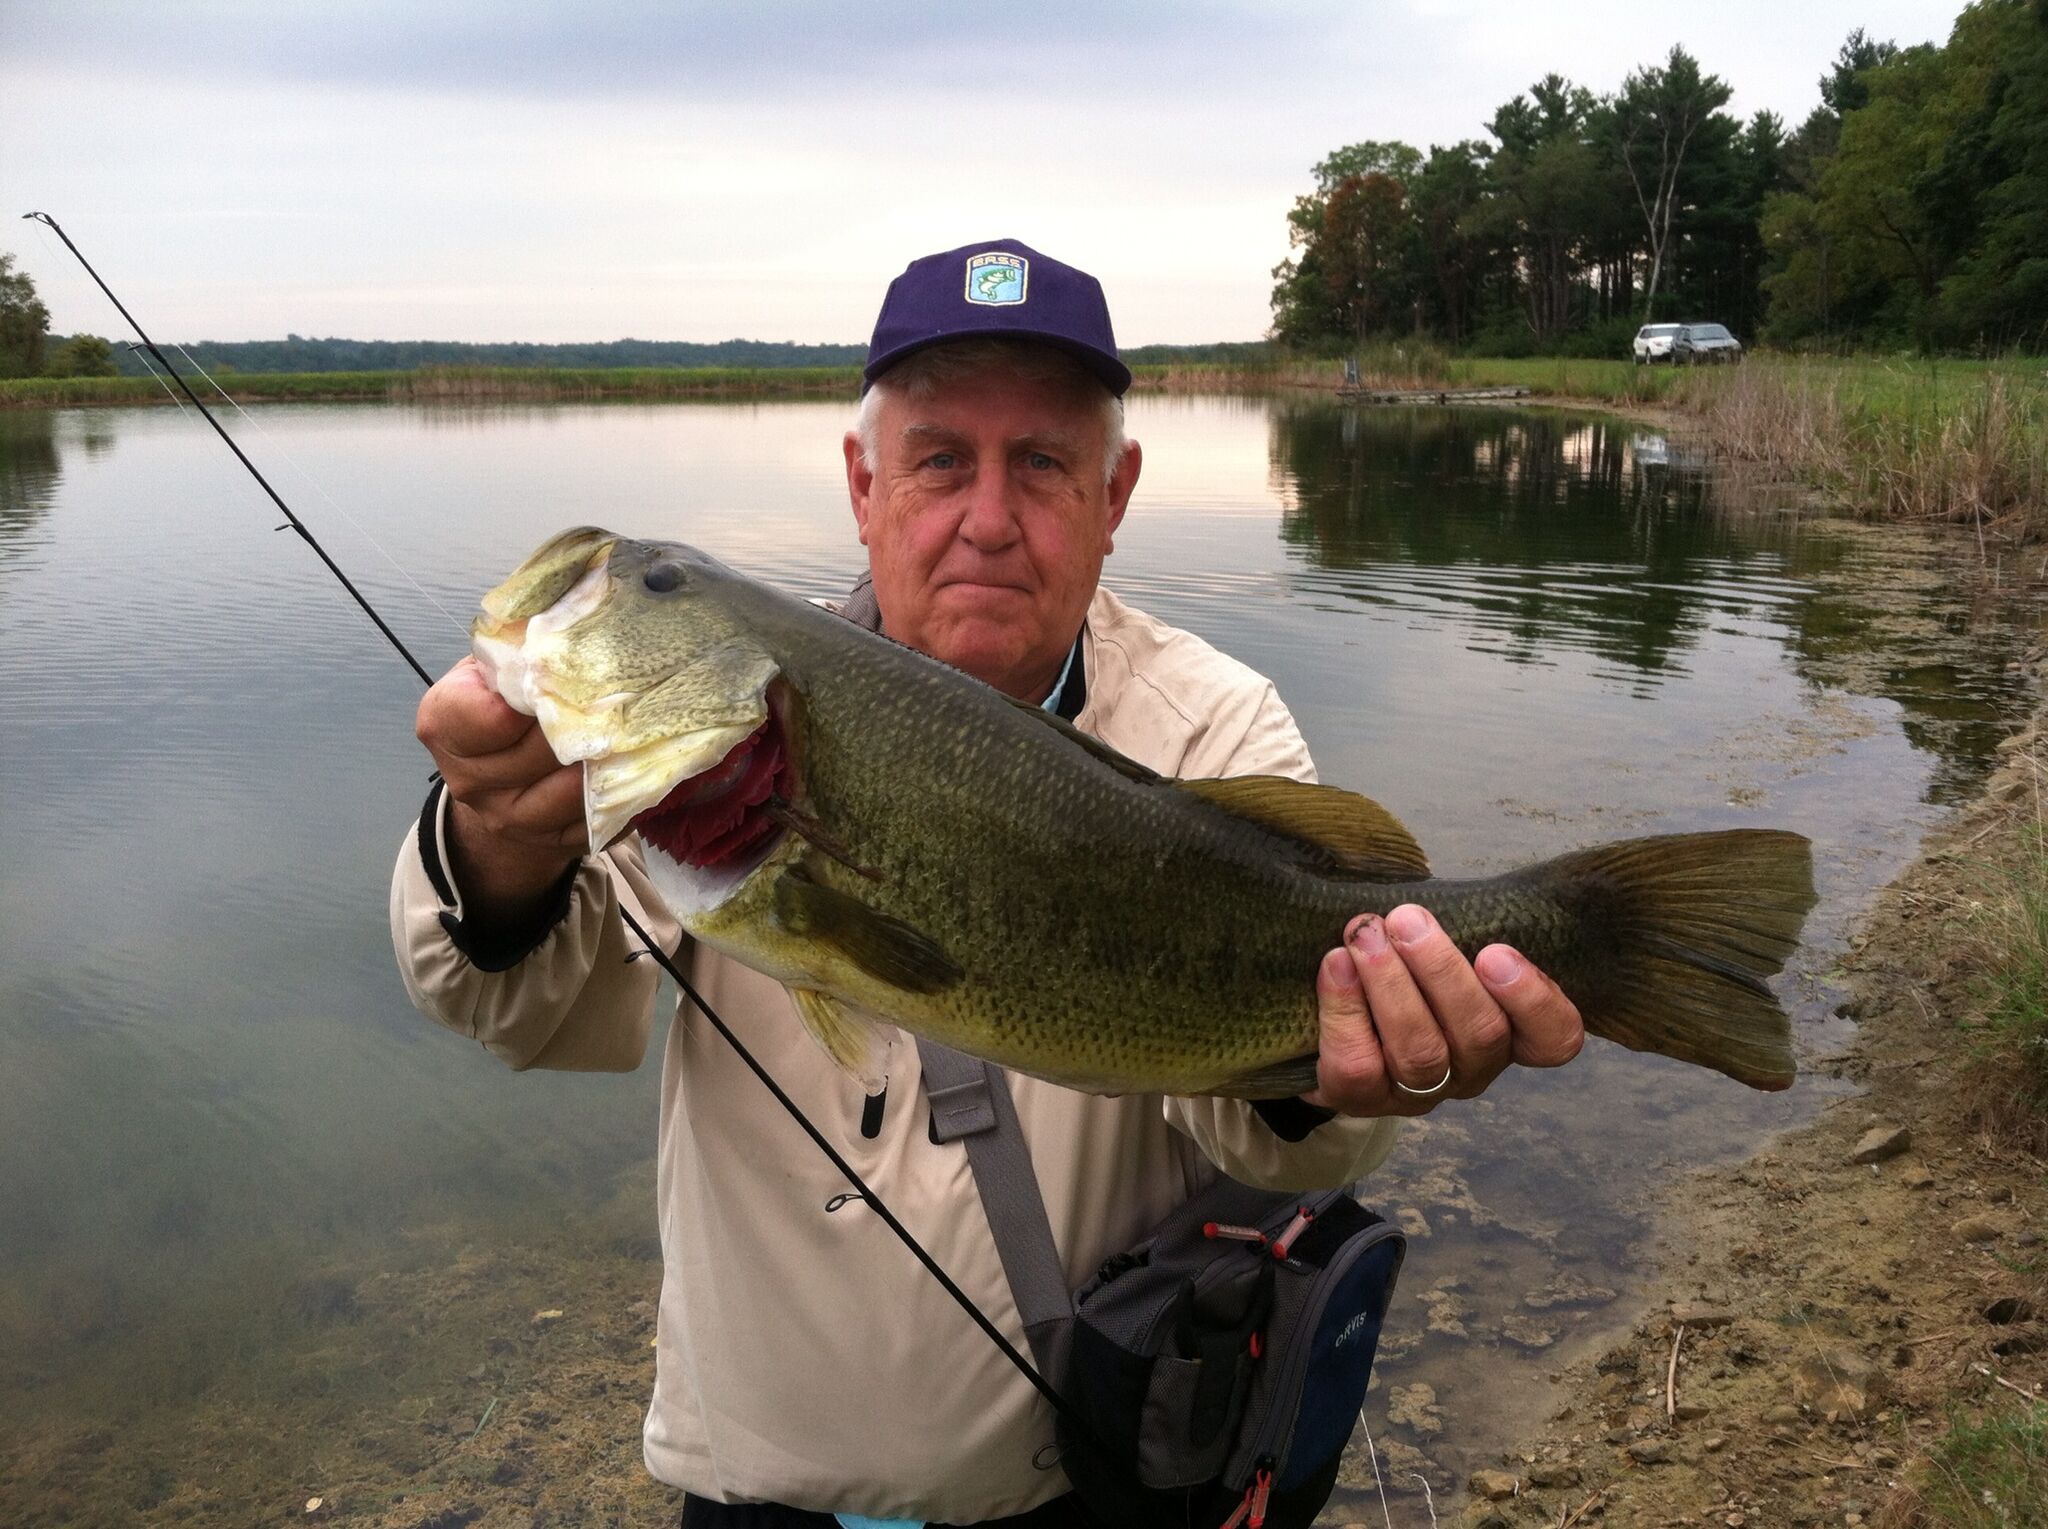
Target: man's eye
x: 1039, y: 461
x: 944, y: 461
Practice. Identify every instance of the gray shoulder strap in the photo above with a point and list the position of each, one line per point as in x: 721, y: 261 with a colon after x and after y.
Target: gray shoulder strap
x: 860, y: 606
x: 971, y: 1104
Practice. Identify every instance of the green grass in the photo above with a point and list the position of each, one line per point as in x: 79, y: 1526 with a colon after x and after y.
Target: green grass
x: 2008, y: 1088
x: 1988, y: 1472
x: 457, y: 382
x: 1899, y: 389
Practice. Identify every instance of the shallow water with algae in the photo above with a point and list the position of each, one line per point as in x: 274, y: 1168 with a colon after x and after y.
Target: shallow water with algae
x: 268, y: 1237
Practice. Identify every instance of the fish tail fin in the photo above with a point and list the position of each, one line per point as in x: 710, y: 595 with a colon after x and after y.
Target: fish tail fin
x: 1698, y: 921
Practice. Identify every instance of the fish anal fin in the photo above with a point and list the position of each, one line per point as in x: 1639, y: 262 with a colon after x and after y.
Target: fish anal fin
x: 884, y: 947
x: 1361, y: 836
x: 1282, y: 1080
x: 858, y: 1045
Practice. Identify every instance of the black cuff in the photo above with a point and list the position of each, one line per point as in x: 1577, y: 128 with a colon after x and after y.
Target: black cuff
x: 494, y: 950
x: 1292, y: 1119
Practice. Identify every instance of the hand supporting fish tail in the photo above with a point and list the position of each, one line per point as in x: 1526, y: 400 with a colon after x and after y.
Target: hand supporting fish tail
x: 1405, y: 1021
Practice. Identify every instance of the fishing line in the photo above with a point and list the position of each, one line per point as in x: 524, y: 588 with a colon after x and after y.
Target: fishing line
x: 142, y: 355
x: 291, y: 518
x: 313, y: 483
x: 875, y: 1203
x: 1377, y: 1479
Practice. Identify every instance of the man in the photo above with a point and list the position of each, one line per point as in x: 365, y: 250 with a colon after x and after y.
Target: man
x: 804, y: 1366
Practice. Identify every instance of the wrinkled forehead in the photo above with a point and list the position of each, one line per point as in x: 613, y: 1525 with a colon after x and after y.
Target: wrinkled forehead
x: 993, y: 403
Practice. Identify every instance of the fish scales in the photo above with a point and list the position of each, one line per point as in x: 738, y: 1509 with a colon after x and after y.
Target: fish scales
x: 968, y: 868
x: 977, y: 817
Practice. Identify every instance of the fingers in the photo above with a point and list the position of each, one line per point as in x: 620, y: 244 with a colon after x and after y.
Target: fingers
x: 1473, y: 1027
x: 1545, y: 1027
x: 500, y: 769
x: 1351, y: 1071
x: 462, y: 716
x: 523, y: 763
x: 1400, y: 1008
x: 550, y: 811
x: 1418, y: 1053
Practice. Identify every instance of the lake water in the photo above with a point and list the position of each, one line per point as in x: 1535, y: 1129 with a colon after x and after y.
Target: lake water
x: 266, y: 1235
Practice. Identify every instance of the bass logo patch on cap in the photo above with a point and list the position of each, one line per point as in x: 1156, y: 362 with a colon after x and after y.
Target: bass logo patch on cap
x: 995, y: 278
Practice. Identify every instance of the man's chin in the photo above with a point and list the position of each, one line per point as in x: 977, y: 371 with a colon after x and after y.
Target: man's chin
x: 990, y: 650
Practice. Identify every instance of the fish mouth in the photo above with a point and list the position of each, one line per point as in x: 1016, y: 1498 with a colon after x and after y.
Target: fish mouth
x: 728, y: 819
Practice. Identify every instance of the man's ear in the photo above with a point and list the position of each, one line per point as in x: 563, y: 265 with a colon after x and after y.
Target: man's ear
x: 860, y: 482
x: 1121, y: 483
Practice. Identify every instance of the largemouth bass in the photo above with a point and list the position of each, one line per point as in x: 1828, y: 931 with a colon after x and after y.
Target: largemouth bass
x: 896, y: 841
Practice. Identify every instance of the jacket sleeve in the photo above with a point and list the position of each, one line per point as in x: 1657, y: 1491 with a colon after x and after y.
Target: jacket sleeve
x: 581, y: 999
x: 1254, y: 734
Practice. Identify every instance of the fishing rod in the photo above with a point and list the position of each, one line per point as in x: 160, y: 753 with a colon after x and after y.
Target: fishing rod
x: 874, y: 1201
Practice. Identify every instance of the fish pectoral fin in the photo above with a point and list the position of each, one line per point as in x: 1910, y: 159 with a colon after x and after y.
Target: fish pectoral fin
x: 1283, y: 1080
x: 886, y: 948
x: 858, y: 1045
x: 1355, y: 832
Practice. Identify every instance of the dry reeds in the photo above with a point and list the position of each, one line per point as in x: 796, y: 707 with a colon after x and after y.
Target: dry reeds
x: 1890, y: 444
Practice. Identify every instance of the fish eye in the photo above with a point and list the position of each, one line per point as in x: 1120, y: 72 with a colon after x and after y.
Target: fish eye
x: 663, y: 577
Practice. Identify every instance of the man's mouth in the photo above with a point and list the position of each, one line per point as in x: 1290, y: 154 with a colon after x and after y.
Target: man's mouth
x: 714, y: 820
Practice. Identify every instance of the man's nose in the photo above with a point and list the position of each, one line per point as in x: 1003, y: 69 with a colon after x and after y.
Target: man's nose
x: 989, y: 521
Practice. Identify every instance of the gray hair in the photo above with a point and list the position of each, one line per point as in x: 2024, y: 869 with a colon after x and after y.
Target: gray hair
x: 921, y: 375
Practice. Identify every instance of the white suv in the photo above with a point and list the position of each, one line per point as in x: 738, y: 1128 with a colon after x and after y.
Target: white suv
x: 1654, y: 342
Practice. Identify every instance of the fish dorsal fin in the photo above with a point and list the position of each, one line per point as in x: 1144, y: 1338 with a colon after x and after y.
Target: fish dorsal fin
x: 1123, y: 764
x: 1360, y: 836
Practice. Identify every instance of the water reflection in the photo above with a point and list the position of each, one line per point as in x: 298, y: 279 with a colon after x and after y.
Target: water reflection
x: 28, y: 476
x: 1540, y: 532
x: 232, y: 1157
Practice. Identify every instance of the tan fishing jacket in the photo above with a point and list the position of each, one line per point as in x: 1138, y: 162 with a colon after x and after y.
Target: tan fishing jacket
x: 802, y: 1356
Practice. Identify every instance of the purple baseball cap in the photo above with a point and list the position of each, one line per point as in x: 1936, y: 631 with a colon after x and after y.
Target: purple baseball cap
x: 1003, y: 289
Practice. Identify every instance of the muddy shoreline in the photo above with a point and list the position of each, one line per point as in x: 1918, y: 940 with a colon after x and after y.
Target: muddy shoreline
x: 1814, y: 1312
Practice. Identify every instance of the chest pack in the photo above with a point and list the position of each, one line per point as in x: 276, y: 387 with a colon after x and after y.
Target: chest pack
x: 1212, y: 1374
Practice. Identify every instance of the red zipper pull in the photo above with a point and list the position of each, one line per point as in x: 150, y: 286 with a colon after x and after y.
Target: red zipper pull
x: 1233, y: 1233
x: 1285, y: 1240
x: 1256, y: 1346
x: 1244, y: 1508
x: 1262, y: 1488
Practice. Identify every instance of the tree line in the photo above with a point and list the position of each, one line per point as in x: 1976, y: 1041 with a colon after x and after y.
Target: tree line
x: 299, y: 353
x: 26, y: 347
x: 1910, y: 208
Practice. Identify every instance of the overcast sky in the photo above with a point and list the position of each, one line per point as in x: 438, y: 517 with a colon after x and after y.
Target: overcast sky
x: 500, y: 170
